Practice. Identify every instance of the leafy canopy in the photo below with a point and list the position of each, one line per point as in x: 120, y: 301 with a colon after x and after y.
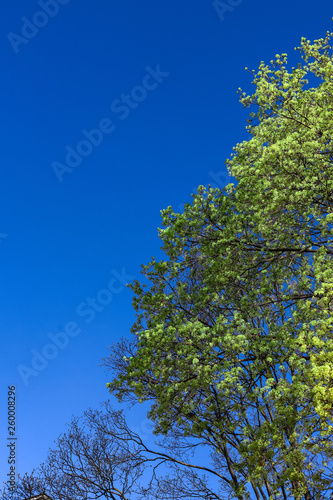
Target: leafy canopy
x: 233, y: 343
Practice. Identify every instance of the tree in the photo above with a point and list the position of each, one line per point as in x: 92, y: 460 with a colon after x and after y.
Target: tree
x: 233, y: 343
x: 100, y: 457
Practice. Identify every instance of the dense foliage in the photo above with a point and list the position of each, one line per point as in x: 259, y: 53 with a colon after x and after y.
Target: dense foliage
x: 233, y: 343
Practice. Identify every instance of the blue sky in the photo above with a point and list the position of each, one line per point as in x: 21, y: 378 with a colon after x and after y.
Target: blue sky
x: 146, y: 93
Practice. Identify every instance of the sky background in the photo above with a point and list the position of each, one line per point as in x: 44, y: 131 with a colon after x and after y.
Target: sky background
x: 65, y: 235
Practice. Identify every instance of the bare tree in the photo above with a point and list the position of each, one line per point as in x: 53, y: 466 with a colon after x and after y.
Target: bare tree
x: 101, y: 457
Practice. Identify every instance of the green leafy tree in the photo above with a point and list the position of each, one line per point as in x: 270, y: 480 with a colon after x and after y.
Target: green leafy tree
x: 233, y: 343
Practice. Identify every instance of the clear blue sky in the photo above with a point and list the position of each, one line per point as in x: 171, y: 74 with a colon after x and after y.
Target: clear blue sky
x: 159, y: 79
